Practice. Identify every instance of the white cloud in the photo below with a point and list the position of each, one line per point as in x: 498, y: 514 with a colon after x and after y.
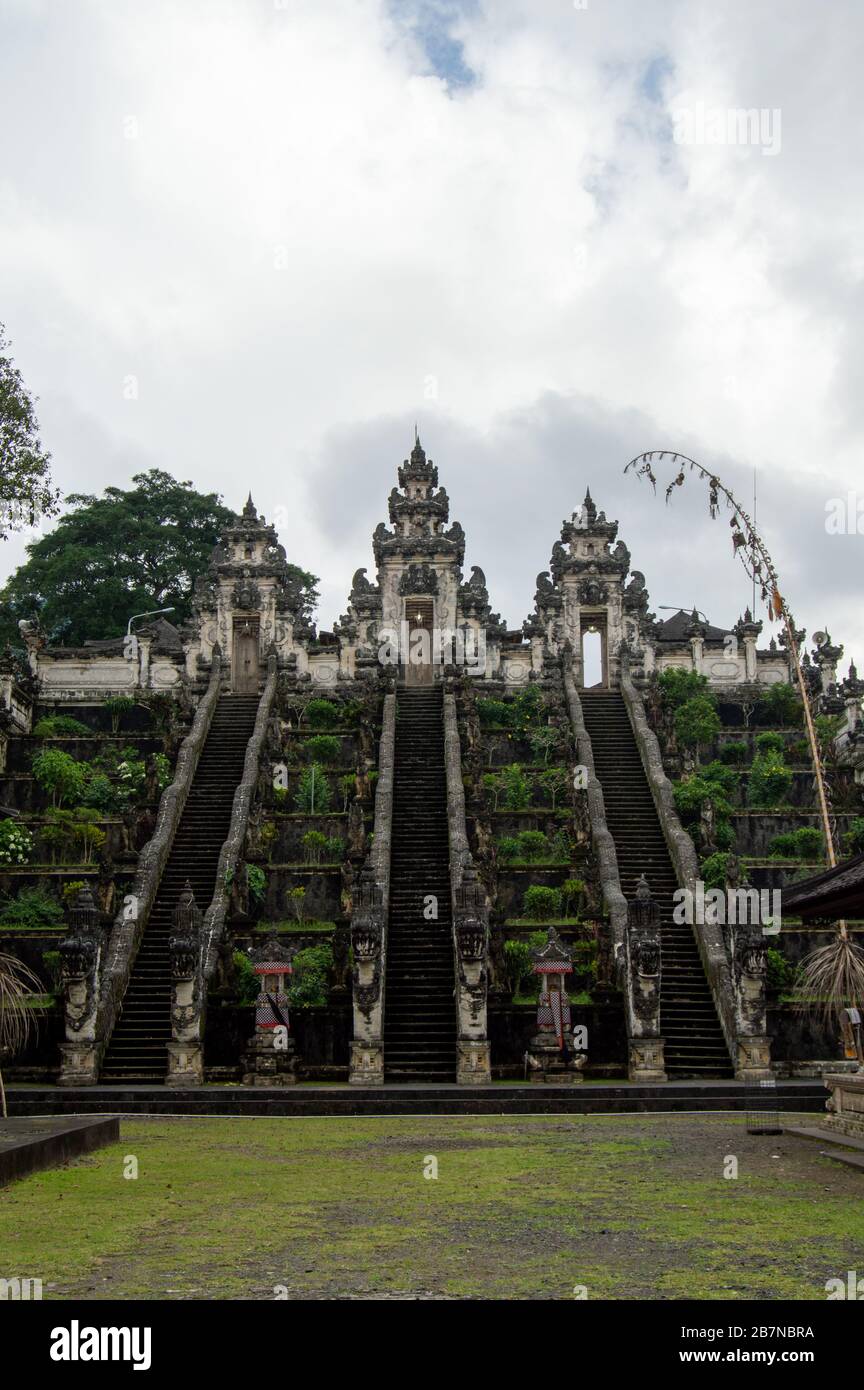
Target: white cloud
x: 308, y: 225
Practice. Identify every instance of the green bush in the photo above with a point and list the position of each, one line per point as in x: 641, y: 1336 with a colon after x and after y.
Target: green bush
x: 526, y: 710
x: 691, y: 794
x: 493, y: 712
x: 517, y: 788
x: 719, y: 775
x: 256, y: 882
x: 517, y: 963
x: 322, y: 848
x: 313, y: 792
x: 70, y: 891
x: 770, y: 742
x: 853, y: 840
x: 322, y: 714
x: 677, y: 687
x: 804, y: 843
x: 33, y: 909
x: 533, y: 846
x: 322, y: 748
x: 314, y: 843
x: 508, y: 848
x: 61, y: 775
x: 162, y: 768
x: 714, y: 869
x: 309, y: 983
x: 780, y: 705
x: 779, y: 974
x: 560, y: 847
x: 541, y: 903
x: 519, y: 966
x: 770, y: 780
x: 246, y: 981
x: 572, y: 890
x: 99, y: 793
x: 60, y: 726
x: 735, y: 754
x: 696, y: 722
x: 52, y: 965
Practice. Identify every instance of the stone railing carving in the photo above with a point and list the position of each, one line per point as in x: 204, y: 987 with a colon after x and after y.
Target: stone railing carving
x: 80, y: 954
x: 747, y: 947
x: 709, y: 935
x: 92, y: 1033
x: 369, y: 920
x: 644, y: 967
x: 601, y: 837
x: 185, y: 1055
x: 470, y: 920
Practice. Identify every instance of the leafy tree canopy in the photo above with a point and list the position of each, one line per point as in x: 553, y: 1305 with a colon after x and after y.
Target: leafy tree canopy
x: 120, y: 554
x: 26, y: 492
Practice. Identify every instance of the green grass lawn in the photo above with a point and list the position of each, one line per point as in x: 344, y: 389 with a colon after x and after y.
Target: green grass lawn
x: 523, y: 1207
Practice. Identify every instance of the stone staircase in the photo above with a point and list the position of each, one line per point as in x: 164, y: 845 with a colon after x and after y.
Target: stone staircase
x: 419, y: 1005
x: 136, y: 1050
x: 694, y: 1041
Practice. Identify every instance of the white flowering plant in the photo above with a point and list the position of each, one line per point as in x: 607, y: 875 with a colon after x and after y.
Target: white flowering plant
x: 16, y: 843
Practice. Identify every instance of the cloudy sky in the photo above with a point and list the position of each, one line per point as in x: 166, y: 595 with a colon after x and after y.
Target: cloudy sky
x: 252, y: 241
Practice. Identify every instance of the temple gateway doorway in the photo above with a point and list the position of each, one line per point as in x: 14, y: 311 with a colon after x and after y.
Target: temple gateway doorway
x: 245, y: 659
x: 418, y: 658
x: 595, y: 664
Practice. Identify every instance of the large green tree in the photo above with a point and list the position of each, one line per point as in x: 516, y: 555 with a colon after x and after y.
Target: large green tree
x: 119, y: 554
x: 26, y: 492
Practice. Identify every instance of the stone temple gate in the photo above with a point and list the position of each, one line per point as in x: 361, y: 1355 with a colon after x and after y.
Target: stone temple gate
x: 431, y: 701
x: 419, y: 614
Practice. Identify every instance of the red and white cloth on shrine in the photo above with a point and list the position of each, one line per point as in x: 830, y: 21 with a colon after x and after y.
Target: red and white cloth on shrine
x: 553, y: 1014
x: 553, y: 1009
x: 271, y: 1010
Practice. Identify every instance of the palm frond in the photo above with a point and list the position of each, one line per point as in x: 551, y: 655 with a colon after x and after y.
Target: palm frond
x: 830, y: 979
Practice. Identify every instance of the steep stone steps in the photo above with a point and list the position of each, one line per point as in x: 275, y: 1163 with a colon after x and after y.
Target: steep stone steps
x: 419, y: 1008
x: 694, y: 1041
x: 136, y: 1050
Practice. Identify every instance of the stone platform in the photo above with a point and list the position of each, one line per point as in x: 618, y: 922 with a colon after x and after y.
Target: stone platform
x: 28, y: 1144
x: 501, y: 1099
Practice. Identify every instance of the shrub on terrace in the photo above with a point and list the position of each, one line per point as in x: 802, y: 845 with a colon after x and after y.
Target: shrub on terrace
x: 733, y: 754
x: 32, y: 909
x: 780, y: 704
x: 60, y: 726
x: 309, y: 983
x: 322, y: 714
x: 770, y: 780
x: 323, y: 748
x: 541, y: 903
x: 804, y: 843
